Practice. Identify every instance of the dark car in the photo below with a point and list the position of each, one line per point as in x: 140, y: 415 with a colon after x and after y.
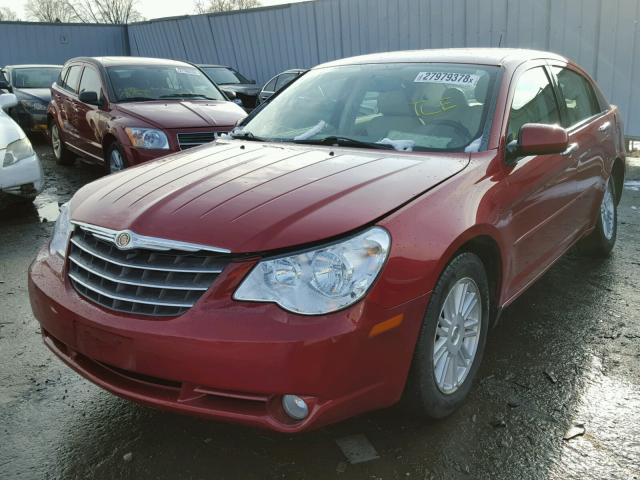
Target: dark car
x: 31, y: 85
x: 121, y: 111
x: 278, y: 83
x: 328, y: 260
x: 234, y: 84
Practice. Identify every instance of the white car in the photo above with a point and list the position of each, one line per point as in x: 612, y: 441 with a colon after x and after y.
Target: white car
x: 20, y: 170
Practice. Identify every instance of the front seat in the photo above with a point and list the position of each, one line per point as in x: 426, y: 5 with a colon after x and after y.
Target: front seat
x: 397, y: 114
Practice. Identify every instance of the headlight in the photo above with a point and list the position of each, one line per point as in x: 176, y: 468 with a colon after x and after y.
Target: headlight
x: 322, y: 280
x: 148, y: 138
x: 18, y: 150
x: 33, y: 105
x: 61, y: 232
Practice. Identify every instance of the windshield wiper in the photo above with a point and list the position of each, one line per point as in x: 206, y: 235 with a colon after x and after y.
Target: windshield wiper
x: 186, y: 95
x: 248, y: 136
x: 137, y: 99
x: 343, y: 142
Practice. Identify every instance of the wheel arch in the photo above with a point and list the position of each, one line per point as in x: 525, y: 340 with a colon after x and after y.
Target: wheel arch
x: 617, y: 172
x: 107, y: 140
x: 482, y: 241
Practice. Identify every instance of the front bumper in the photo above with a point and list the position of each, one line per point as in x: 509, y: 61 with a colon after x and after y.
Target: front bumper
x: 24, y: 179
x: 229, y: 360
x: 32, y: 122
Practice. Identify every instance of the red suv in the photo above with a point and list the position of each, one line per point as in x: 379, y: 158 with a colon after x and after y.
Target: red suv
x: 351, y: 244
x: 121, y: 111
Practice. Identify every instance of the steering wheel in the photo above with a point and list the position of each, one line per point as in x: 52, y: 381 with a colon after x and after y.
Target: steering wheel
x: 458, y: 127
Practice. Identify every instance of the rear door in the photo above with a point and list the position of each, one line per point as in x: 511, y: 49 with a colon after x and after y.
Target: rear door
x: 541, y: 223
x: 89, y: 117
x: 66, y: 103
x: 591, y: 128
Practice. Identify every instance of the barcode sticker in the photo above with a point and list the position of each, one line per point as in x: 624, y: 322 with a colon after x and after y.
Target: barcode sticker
x: 460, y: 79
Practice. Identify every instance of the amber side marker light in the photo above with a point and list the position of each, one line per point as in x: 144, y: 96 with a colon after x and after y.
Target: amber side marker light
x: 387, y: 325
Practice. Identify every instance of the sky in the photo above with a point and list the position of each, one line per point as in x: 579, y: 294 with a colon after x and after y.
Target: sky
x: 148, y: 8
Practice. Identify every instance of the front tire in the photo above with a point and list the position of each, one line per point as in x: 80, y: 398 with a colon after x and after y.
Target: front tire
x: 601, y: 241
x: 452, y: 339
x: 115, y: 160
x: 60, y: 152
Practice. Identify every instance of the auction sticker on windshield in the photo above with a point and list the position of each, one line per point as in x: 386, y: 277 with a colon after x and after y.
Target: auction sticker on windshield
x: 468, y: 79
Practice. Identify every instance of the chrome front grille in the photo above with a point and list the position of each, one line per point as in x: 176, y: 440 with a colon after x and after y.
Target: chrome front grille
x: 193, y: 139
x: 158, y: 281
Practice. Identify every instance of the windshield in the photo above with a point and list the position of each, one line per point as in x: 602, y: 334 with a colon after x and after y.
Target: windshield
x: 139, y: 83
x: 224, y: 75
x: 40, y: 77
x: 415, y: 106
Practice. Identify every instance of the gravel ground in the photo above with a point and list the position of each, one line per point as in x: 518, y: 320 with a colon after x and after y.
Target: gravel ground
x: 565, y: 359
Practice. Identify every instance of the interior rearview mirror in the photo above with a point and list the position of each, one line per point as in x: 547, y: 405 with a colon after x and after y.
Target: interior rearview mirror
x: 538, y: 139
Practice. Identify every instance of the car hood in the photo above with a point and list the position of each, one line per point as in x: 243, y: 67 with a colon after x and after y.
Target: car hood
x: 244, y: 88
x: 185, y: 114
x: 255, y: 197
x: 10, y: 131
x: 42, y: 94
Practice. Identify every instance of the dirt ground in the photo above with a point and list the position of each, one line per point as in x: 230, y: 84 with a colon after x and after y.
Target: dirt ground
x: 566, y: 353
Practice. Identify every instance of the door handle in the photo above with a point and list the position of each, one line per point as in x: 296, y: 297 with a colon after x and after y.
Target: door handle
x: 570, y: 150
x: 604, y: 127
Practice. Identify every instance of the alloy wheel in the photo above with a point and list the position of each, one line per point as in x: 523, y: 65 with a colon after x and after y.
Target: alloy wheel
x: 56, y: 143
x: 607, y: 214
x: 116, y: 162
x: 457, y: 335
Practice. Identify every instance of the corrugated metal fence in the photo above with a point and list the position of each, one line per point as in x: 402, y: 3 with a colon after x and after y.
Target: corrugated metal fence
x: 601, y: 35
x: 55, y: 43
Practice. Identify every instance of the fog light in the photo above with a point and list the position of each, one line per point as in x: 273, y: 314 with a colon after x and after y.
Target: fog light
x: 295, y: 407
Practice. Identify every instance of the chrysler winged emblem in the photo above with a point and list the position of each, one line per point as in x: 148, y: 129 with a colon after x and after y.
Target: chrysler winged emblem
x: 123, y: 239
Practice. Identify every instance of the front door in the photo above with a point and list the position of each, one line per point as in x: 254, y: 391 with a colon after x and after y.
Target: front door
x: 541, y: 223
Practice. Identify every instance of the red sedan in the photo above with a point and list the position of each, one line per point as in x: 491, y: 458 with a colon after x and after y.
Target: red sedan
x: 349, y: 245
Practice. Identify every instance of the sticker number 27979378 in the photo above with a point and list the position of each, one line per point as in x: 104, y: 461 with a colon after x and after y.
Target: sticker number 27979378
x: 462, y: 79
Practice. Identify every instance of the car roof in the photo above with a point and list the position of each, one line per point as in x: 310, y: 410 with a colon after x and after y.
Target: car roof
x: 113, y: 61
x: 211, y: 65
x: 33, y: 65
x: 481, y: 56
x: 293, y: 70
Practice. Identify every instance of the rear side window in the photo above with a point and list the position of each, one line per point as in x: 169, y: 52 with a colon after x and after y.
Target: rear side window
x: 284, y: 80
x: 578, y: 95
x: 90, y: 81
x: 533, y: 102
x: 271, y: 86
x: 62, y: 76
x: 73, y: 78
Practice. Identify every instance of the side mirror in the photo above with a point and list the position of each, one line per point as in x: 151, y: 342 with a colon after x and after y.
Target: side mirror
x: 538, y: 139
x: 8, y: 100
x: 4, y: 84
x: 231, y: 95
x: 90, y: 98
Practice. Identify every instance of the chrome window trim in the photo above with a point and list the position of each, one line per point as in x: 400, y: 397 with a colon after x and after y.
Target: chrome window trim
x: 145, y: 242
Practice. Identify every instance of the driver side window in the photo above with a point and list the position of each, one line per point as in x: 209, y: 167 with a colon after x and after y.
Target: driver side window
x: 533, y: 102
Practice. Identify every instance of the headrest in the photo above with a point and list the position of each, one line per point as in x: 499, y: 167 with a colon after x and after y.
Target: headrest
x: 394, y: 103
x: 454, y: 96
x: 480, y: 92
